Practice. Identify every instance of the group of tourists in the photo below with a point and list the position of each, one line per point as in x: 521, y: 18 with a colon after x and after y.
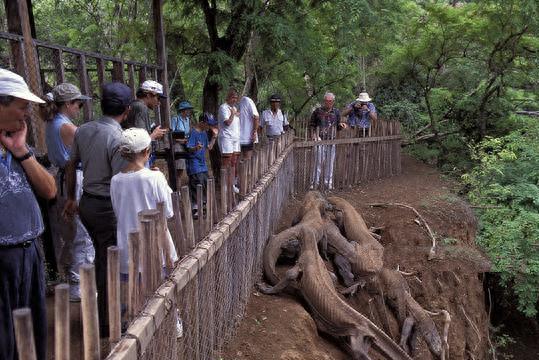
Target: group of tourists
x: 102, y: 177
x: 326, y: 120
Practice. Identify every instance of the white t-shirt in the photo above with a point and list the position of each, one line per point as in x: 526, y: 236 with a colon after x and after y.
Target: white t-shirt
x: 231, y: 131
x: 131, y: 193
x: 247, y: 112
x: 274, y: 123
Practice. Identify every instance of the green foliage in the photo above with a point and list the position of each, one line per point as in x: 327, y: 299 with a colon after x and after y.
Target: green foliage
x: 505, y: 185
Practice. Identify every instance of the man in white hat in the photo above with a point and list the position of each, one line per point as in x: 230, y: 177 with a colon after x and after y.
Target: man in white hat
x: 361, y: 113
x: 22, y: 278
x: 148, y: 98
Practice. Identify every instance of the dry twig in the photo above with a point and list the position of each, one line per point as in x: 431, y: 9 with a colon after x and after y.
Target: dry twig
x: 432, y: 251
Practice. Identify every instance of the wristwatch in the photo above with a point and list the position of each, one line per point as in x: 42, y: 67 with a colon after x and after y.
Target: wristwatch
x: 26, y: 156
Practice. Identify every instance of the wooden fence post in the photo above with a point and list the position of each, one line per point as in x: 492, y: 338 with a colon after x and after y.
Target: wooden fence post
x: 133, y: 287
x: 90, y: 317
x: 224, y: 191
x: 162, y: 233
x: 85, y: 87
x: 179, y: 235
x: 113, y: 288
x: 24, y: 334
x: 188, y: 218
x: 62, y: 333
x: 200, y: 207
x: 209, y: 204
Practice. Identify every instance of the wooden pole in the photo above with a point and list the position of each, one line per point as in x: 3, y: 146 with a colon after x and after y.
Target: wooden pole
x: 188, y: 218
x: 200, y: 220
x: 113, y: 288
x: 90, y: 317
x: 118, y: 71
x: 131, y: 78
x: 133, y: 284
x: 159, y: 33
x: 162, y: 233
x: 243, y: 177
x: 209, y: 204
x: 24, y: 334
x: 84, y: 87
x: 224, y: 191
x: 179, y: 235
x: 59, y: 66
x: 101, y: 77
x: 62, y: 333
x: 146, y: 273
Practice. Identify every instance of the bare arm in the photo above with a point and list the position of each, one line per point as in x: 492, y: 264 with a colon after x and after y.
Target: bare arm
x: 67, y: 133
x: 41, y: 181
x: 256, y: 122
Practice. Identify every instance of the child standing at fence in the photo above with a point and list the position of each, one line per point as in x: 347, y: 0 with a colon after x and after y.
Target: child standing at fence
x: 138, y: 188
x: 197, y: 170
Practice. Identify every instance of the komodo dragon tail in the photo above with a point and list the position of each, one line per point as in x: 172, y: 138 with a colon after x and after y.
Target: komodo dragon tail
x: 385, y: 345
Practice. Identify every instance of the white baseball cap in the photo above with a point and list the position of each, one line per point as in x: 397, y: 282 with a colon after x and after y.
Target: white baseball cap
x: 153, y: 86
x: 135, y: 140
x: 14, y: 85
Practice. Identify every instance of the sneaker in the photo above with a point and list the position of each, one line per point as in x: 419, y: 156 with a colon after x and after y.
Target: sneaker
x: 195, y: 214
x: 74, y: 293
x: 235, y: 189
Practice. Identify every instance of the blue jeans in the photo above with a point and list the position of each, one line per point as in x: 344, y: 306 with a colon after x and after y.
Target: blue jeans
x: 22, y: 284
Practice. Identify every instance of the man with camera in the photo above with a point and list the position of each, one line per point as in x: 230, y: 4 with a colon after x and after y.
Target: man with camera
x: 361, y: 113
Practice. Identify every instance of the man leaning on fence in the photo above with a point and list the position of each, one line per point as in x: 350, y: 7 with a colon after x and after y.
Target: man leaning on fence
x: 325, y: 121
x: 22, y: 279
x: 96, y: 146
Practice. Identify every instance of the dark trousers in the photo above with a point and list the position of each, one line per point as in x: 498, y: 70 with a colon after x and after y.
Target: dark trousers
x: 98, y: 217
x: 194, y: 180
x: 22, y: 284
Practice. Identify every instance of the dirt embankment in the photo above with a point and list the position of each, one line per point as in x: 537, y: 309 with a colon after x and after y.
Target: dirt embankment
x: 278, y: 327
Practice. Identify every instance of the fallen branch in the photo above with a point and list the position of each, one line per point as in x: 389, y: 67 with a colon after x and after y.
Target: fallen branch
x: 432, y: 251
x: 473, y: 326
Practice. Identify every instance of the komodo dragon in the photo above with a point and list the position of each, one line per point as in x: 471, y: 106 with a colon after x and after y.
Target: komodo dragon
x: 314, y: 205
x: 332, y: 314
x: 389, y: 284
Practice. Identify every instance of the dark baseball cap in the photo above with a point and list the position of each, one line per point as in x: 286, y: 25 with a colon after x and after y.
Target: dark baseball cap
x: 117, y: 93
x: 275, y: 98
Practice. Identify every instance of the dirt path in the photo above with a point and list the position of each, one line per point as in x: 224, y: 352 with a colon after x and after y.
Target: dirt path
x: 277, y: 327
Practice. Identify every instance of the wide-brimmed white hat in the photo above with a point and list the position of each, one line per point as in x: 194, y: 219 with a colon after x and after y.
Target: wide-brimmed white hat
x: 152, y: 86
x: 135, y: 140
x: 14, y: 85
x: 363, y: 97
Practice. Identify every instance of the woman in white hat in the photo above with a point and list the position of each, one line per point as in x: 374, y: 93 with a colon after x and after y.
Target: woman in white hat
x: 72, y: 243
x: 361, y: 113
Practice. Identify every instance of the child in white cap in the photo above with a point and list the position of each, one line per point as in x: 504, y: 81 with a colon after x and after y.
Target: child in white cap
x: 138, y: 188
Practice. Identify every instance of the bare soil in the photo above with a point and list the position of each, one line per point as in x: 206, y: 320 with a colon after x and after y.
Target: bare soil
x: 278, y: 327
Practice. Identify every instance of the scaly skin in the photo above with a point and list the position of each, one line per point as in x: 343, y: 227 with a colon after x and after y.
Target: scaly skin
x: 356, y: 230
x: 331, y: 313
x: 314, y: 206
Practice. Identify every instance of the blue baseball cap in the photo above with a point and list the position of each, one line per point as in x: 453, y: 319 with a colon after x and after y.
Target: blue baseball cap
x: 209, y: 118
x: 117, y: 93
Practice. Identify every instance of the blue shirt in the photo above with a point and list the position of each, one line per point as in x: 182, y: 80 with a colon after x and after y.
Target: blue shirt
x: 359, y: 118
x: 196, y: 163
x: 20, y: 217
x: 58, y: 153
x: 179, y: 124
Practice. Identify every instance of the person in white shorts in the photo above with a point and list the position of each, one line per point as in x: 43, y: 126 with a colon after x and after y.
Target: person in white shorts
x: 249, y: 120
x: 229, y: 134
